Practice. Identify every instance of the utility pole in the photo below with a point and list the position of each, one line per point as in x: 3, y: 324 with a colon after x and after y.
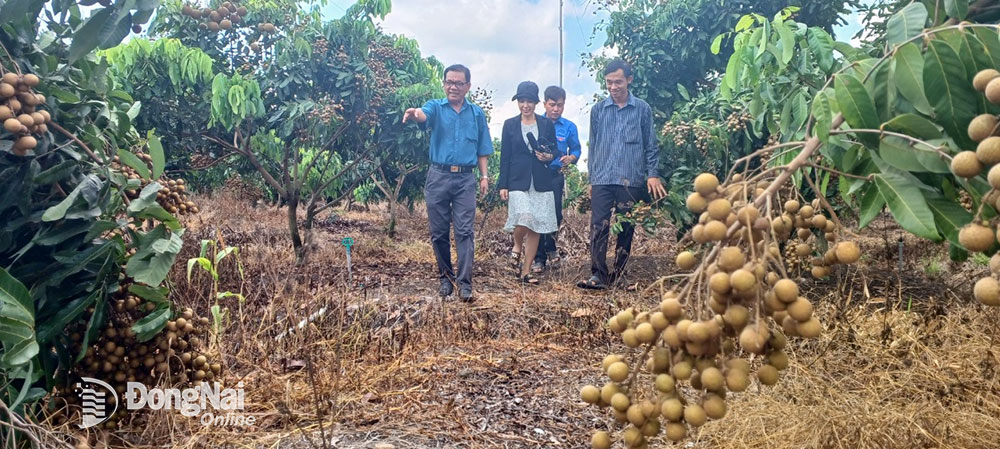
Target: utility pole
x: 560, y: 43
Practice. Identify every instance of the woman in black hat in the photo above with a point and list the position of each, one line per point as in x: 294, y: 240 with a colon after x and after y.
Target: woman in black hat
x: 525, y: 180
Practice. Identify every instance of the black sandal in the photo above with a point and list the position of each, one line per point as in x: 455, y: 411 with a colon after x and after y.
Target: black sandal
x: 594, y: 283
x: 528, y: 279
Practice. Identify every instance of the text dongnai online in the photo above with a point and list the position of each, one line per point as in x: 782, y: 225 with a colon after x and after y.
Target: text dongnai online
x: 200, y: 400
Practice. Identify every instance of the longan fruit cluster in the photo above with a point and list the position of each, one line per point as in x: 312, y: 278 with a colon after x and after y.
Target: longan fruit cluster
x: 173, y: 196
x: 225, y: 17
x: 727, y: 323
x: 20, y: 111
x: 173, y: 357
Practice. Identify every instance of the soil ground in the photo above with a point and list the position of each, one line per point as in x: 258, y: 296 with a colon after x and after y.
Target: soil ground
x: 907, y: 359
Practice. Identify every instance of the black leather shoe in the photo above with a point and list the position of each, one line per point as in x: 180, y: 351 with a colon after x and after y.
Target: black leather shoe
x: 466, y: 294
x: 446, y: 288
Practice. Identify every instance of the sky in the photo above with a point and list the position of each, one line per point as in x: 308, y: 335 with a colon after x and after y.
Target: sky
x: 504, y: 42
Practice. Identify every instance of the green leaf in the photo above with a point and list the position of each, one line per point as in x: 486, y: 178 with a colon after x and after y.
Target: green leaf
x: 147, y: 197
x: 871, y: 205
x: 949, y: 91
x: 130, y: 159
x: 17, y: 322
x: 907, y: 205
x: 156, y: 152
x: 857, y: 106
x: 151, y: 324
x: 717, y: 44
x: 15, y: 9
x: 683, y: 92
x: 821, y: 44
x: 744, y: 23
x: 913, y: 125
x: 823, y: 116
x: 949, y: 216
x: 88, y: 188
x: 154, y: 294
x: 899, y: 154
x: 956, y: 8
x: 787, y: 41
x: 909, y: 77
x: 87, y: 37
x: 906, y: 23
x: 56, y: 173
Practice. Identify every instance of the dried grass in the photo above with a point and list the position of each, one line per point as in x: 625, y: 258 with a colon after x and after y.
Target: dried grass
x: 392, y: 363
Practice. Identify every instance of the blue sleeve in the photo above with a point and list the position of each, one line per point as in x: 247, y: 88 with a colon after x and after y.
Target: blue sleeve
x: 430, y: 110
x: 652, y: 150
x: 485, y: 143
x: 573, y: 141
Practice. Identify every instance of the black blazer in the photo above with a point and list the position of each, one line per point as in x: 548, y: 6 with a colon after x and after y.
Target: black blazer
x: 518, y: 165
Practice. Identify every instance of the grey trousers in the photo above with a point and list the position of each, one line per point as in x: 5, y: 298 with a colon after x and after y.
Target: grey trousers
x: 451, y: 199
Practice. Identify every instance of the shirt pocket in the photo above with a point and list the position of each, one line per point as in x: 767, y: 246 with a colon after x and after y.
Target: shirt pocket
x: 632, y: 133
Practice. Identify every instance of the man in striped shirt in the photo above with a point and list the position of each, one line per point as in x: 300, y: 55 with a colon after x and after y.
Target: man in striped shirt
x: 623, y: 167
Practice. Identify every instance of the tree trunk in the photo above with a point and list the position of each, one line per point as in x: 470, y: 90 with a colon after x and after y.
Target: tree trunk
x: 391, y: 228
x: 308, y: 229
x: 293, y: 229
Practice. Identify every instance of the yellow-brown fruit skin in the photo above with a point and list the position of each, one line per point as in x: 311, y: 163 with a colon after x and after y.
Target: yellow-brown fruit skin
x: 705, y: 183
x: 982, y: 127
x: 987, y: 291
x: 988, y: 151
x: 966, y: 164
x: 993, y: 91
x: 994, y: 177
x: 983, y: 78
x: 976, y: 237
x: 600, y: 440
x: 847, y: 252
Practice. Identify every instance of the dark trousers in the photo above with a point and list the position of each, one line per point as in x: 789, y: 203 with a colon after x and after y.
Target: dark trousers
x: 547, y: 242
x: 604, y: 199
x: 451, y: 199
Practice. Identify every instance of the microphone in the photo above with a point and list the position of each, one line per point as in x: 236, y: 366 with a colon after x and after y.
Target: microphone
x: 533, y: 143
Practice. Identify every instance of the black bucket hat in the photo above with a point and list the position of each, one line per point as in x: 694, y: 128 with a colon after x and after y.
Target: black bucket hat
x: 526, y: 90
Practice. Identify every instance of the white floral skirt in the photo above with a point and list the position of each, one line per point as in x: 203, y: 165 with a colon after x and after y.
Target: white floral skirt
x: 532, y: 209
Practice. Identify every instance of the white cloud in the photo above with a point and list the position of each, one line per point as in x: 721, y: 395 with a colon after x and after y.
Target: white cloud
x: 504, y: 42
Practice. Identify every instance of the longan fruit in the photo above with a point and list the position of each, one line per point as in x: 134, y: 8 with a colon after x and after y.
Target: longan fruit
x: 719, y: 283
x: 736, y: 316
x: 976, y: 237
x: 645, y: 333
x: 731, y: 258
x: 705, y: 184
x: 714, y: 406
x: 988, y: 151
x: 630, y: 338
x: 737, y: 380
x: 695, y: 415
x: 809, y: 329
x: 715, y: 230
x: 676, y: 431
x: 608, y: 392
x: 752, y: 339
x: 698, y: 332
x: 801, y: 309
x: 712, y: 379
x: 983, y: 78
x: 982, y: 127
x: 31, y: 80
x: 686, y: 260
x: 600, y: 440
x: 671, y: 307
x: 665, y: 383
x: 719, y: 209
x: 620, y: 402
x: 681, y: 370
x: 806, y: 212
x: 987, y: 291
x: 635, y: 415
x: 12, y: 125
x: 786, y: 290
x: 767, y: 375
x: 777, y: 359
x: 993, y: 91
x: 672, y: 409
x: 651, y: 428
x: 847, y: 252
x: 618, y: 371
x: 742, y: 280
x: 696, y: 203
x: 791, y: 206
x: 7, y: 90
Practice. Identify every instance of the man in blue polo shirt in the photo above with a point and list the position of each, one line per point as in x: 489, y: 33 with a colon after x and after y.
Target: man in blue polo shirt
x: 568, y: 141
x: 460, y: 140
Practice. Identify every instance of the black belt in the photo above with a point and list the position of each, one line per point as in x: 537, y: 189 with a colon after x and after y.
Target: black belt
x: 454, y: 168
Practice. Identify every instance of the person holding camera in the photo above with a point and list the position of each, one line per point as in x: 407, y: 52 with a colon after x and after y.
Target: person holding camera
x: 527, y: 146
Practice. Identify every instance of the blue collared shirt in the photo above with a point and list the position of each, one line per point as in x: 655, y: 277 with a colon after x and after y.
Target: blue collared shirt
x: 457, y: 138
x: 568, y: 141
x: 623, y: 148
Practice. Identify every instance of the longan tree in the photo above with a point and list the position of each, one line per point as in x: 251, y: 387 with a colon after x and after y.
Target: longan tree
x: 909, y: 130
